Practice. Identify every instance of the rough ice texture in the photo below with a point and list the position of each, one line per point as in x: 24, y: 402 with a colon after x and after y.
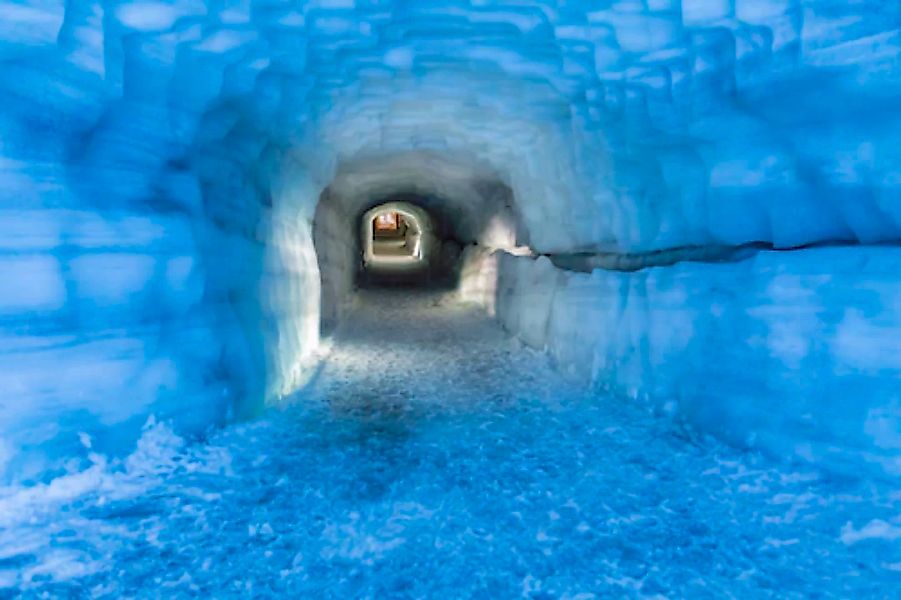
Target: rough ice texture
x: 796, y: 353
x: 486, y: 476
x: 161, y: 165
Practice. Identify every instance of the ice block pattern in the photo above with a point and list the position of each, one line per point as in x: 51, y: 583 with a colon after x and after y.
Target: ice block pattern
x: 167, y: 168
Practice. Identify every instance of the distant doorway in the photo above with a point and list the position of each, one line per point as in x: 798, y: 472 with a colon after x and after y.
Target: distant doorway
x: 395, y: 236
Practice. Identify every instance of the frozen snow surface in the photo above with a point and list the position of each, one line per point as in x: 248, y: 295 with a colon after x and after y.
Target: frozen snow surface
x: 451, y: 462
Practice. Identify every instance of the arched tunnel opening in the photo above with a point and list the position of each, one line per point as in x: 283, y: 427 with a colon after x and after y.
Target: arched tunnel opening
x: 403, y: 244
x: 379, y: 298
x: 393, y: 233
x: 441, y: 213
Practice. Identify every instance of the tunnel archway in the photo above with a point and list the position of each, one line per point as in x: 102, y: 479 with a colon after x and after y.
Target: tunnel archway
x: 466, y: 203
x: 409, y: 251
x: 399, y: 237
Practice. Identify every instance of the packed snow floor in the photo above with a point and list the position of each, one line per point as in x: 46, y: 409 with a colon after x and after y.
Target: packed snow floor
x: 433, y: 457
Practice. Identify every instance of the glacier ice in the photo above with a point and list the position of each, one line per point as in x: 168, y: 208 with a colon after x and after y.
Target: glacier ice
x: 179, y: 183
x: 685, y: 214
x: 486, y: 474
x: 773, y: 352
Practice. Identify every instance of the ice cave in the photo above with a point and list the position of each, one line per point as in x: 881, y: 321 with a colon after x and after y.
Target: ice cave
x: 450, y: 299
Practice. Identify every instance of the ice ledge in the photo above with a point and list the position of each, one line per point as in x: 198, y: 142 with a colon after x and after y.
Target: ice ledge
x: 797, y: 353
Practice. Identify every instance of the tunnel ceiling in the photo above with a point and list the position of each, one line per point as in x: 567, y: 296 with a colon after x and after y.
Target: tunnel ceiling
x: 629, y: 120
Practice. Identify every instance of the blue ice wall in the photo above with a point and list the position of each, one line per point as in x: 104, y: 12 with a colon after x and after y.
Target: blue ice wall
x: 794, y: 354
x: 161, y: 164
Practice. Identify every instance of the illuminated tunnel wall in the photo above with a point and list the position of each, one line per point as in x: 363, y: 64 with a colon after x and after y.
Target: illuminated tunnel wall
x: 704, y: 197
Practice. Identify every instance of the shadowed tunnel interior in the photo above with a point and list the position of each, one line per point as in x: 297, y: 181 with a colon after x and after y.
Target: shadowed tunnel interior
x: 458, y: 204
x: 452, y: 298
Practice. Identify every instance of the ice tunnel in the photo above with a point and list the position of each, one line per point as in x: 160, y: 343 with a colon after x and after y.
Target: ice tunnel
x: 693, y: 206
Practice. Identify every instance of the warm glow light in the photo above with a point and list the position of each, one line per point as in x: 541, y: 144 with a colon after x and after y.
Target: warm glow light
x: 386, y: 221
x: 402, y: 246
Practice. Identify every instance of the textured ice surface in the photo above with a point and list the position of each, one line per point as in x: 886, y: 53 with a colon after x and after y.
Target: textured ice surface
x: 452, y: 462
x: 796, y: 353
x: 162, y: 165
